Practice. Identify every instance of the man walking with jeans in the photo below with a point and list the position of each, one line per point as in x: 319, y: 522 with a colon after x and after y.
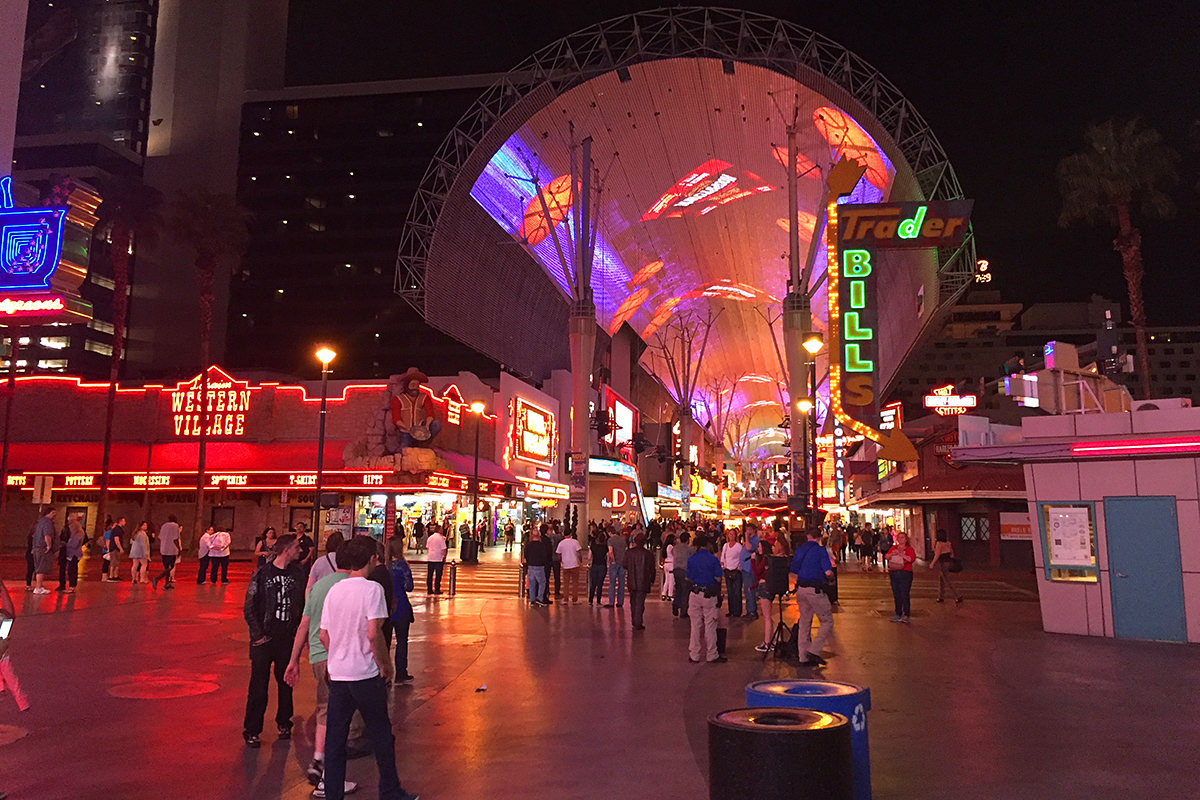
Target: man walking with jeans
x: 616, y: 570
x: 359, y: 667
x: 435, y: 560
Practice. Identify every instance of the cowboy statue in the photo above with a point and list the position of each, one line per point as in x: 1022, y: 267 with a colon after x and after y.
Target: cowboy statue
x: 411, y: 413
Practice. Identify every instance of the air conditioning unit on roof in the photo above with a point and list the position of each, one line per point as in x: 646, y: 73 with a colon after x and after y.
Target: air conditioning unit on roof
x: 1163, y: 403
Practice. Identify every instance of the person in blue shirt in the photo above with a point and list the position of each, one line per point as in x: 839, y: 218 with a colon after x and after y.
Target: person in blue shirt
x: 704, y: 581
x: 810, y: 573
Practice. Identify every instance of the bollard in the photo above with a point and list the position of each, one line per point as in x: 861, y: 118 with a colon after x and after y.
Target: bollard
x: 779, y: 754
x: 453, y: 578
x: 852, y: 702
x: 522, y: 589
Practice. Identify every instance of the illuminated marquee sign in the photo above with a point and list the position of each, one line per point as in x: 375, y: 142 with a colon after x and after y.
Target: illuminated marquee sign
x: 534, y: 433
x: 227, y: 401
x: 856, y: 235
x: 548, y: 490
x: 891, y: 417
x: 946, y: 403
x: 30, y: 243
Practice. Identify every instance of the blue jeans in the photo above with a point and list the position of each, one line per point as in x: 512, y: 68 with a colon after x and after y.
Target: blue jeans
x: 537, y: 584
x: 616, y: 584
x: 433, y: 576
x: 596, y: 583
x: 749, y: 591
x: 902, y: 580
x: 370, y: 698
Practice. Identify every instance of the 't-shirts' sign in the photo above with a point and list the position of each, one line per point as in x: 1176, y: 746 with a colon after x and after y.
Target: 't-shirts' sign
x: 221, y: 406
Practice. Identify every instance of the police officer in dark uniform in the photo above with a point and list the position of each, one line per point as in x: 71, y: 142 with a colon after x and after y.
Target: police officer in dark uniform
x: 810, y: 573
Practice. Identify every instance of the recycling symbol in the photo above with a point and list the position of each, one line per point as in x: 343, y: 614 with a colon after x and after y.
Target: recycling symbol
x: 859, y: 718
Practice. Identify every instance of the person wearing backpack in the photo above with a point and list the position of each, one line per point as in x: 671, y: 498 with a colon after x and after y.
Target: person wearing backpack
x: 809, y: 574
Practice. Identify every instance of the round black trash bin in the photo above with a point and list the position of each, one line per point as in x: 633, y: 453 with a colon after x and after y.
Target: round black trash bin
x: 779, y: 754
x: 468, y: 551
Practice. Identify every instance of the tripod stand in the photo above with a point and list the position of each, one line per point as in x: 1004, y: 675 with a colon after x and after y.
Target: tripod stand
x: 780, y: 634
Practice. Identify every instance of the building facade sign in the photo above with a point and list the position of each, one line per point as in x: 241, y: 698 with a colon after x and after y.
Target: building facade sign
x: 223, y: 405
x: 534, y: 434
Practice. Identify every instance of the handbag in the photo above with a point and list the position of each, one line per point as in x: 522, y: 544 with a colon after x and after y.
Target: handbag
x: 956, y: 564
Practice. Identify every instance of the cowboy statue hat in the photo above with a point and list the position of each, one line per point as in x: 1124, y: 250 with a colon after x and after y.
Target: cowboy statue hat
x: 412, y: 373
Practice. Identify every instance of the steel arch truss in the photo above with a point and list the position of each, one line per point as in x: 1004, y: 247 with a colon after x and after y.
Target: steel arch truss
x: 716, y: 33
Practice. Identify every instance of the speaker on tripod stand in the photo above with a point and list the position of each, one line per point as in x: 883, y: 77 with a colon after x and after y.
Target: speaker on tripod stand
x: 777, y: 588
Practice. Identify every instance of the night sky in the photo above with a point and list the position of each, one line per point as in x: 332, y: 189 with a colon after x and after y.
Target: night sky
x: 1007, y: 92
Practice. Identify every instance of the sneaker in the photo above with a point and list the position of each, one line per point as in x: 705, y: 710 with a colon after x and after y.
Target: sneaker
x: 895, y: 618
x: 718, y: 660
x: 905, y: 620
x: 316, y: 768
x: 42, y: 590
x: 350, y: 788
x: 405, y: 679
x: 285, y: 731
x: 762, y: 648
x: 252, y: 740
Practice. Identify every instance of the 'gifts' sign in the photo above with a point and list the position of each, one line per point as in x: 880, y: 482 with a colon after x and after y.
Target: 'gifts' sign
x: 222, y: 406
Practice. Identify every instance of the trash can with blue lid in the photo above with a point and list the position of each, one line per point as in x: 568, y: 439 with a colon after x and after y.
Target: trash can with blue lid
x: 852, y: 702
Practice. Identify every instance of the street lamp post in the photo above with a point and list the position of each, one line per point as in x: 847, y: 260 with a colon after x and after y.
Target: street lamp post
x: 325, y: 355
x: 813, y: 343
x: 477, y: 409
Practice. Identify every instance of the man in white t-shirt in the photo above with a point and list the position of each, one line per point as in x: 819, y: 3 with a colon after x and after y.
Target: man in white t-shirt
x: 435, y: 561
x: 358, y: 666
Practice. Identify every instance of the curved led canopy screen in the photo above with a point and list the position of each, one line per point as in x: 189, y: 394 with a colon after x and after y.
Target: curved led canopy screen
x: 693, y: 213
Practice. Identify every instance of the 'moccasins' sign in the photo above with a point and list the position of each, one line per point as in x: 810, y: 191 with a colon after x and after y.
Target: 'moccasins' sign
x: 228, y: 403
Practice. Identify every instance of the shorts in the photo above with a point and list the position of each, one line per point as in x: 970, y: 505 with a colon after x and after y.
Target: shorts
x: 43, y: 563
x: 322, y: 676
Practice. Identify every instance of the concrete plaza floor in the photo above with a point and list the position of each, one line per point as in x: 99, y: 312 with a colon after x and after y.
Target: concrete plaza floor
x: 140, y: 694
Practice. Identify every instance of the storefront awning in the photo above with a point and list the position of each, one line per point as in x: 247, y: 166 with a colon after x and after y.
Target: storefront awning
x: 488, y: 470
x: 1000, y: 484
x: 129, y: 457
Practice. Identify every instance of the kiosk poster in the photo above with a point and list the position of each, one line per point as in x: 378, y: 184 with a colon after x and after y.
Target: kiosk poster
x: 1069, y: 532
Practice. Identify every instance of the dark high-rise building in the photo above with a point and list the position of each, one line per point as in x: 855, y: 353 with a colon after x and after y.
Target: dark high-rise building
x: 86, y: 71
x: 329, y: 174
x: 82, y: 114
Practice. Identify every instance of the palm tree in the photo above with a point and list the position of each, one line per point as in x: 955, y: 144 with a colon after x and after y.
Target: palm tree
x: 217, y: 229
x: 130, y: 212
x: 1123, y: 167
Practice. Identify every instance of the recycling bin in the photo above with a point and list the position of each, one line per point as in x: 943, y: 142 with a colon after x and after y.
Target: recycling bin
x: 779, y: 754
x: 852, y: 702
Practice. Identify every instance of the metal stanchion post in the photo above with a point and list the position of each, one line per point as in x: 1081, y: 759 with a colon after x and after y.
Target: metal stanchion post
x: 453, y: 577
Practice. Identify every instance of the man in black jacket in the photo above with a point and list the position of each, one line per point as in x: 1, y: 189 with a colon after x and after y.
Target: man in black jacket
x: 639, y: 565
x: 273, y: 607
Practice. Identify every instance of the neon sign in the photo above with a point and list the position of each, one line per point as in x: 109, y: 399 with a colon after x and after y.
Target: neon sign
x: 534, y: 433
x: 22, y: 306
x: 30, y: 243
x: 937, y: 224
x: 226, y: 403
x: 946, y: 403
x: 855, y: 232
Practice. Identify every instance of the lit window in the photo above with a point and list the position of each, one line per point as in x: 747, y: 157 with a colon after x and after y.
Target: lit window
x: 55, y: 342
x: 101, y: 325
x: 59, y: 364
x: 23, y: 340
x: 316, y: 227
x: 102, y: 348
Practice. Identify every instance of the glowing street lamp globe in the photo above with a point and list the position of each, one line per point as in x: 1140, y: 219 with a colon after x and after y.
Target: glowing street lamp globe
x: 325, y: 355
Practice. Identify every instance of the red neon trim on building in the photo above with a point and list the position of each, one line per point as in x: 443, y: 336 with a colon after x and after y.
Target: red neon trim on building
x: 1131, y: 447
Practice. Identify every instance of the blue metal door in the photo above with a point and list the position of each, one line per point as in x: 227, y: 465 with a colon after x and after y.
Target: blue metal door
x: 1144, y: 568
